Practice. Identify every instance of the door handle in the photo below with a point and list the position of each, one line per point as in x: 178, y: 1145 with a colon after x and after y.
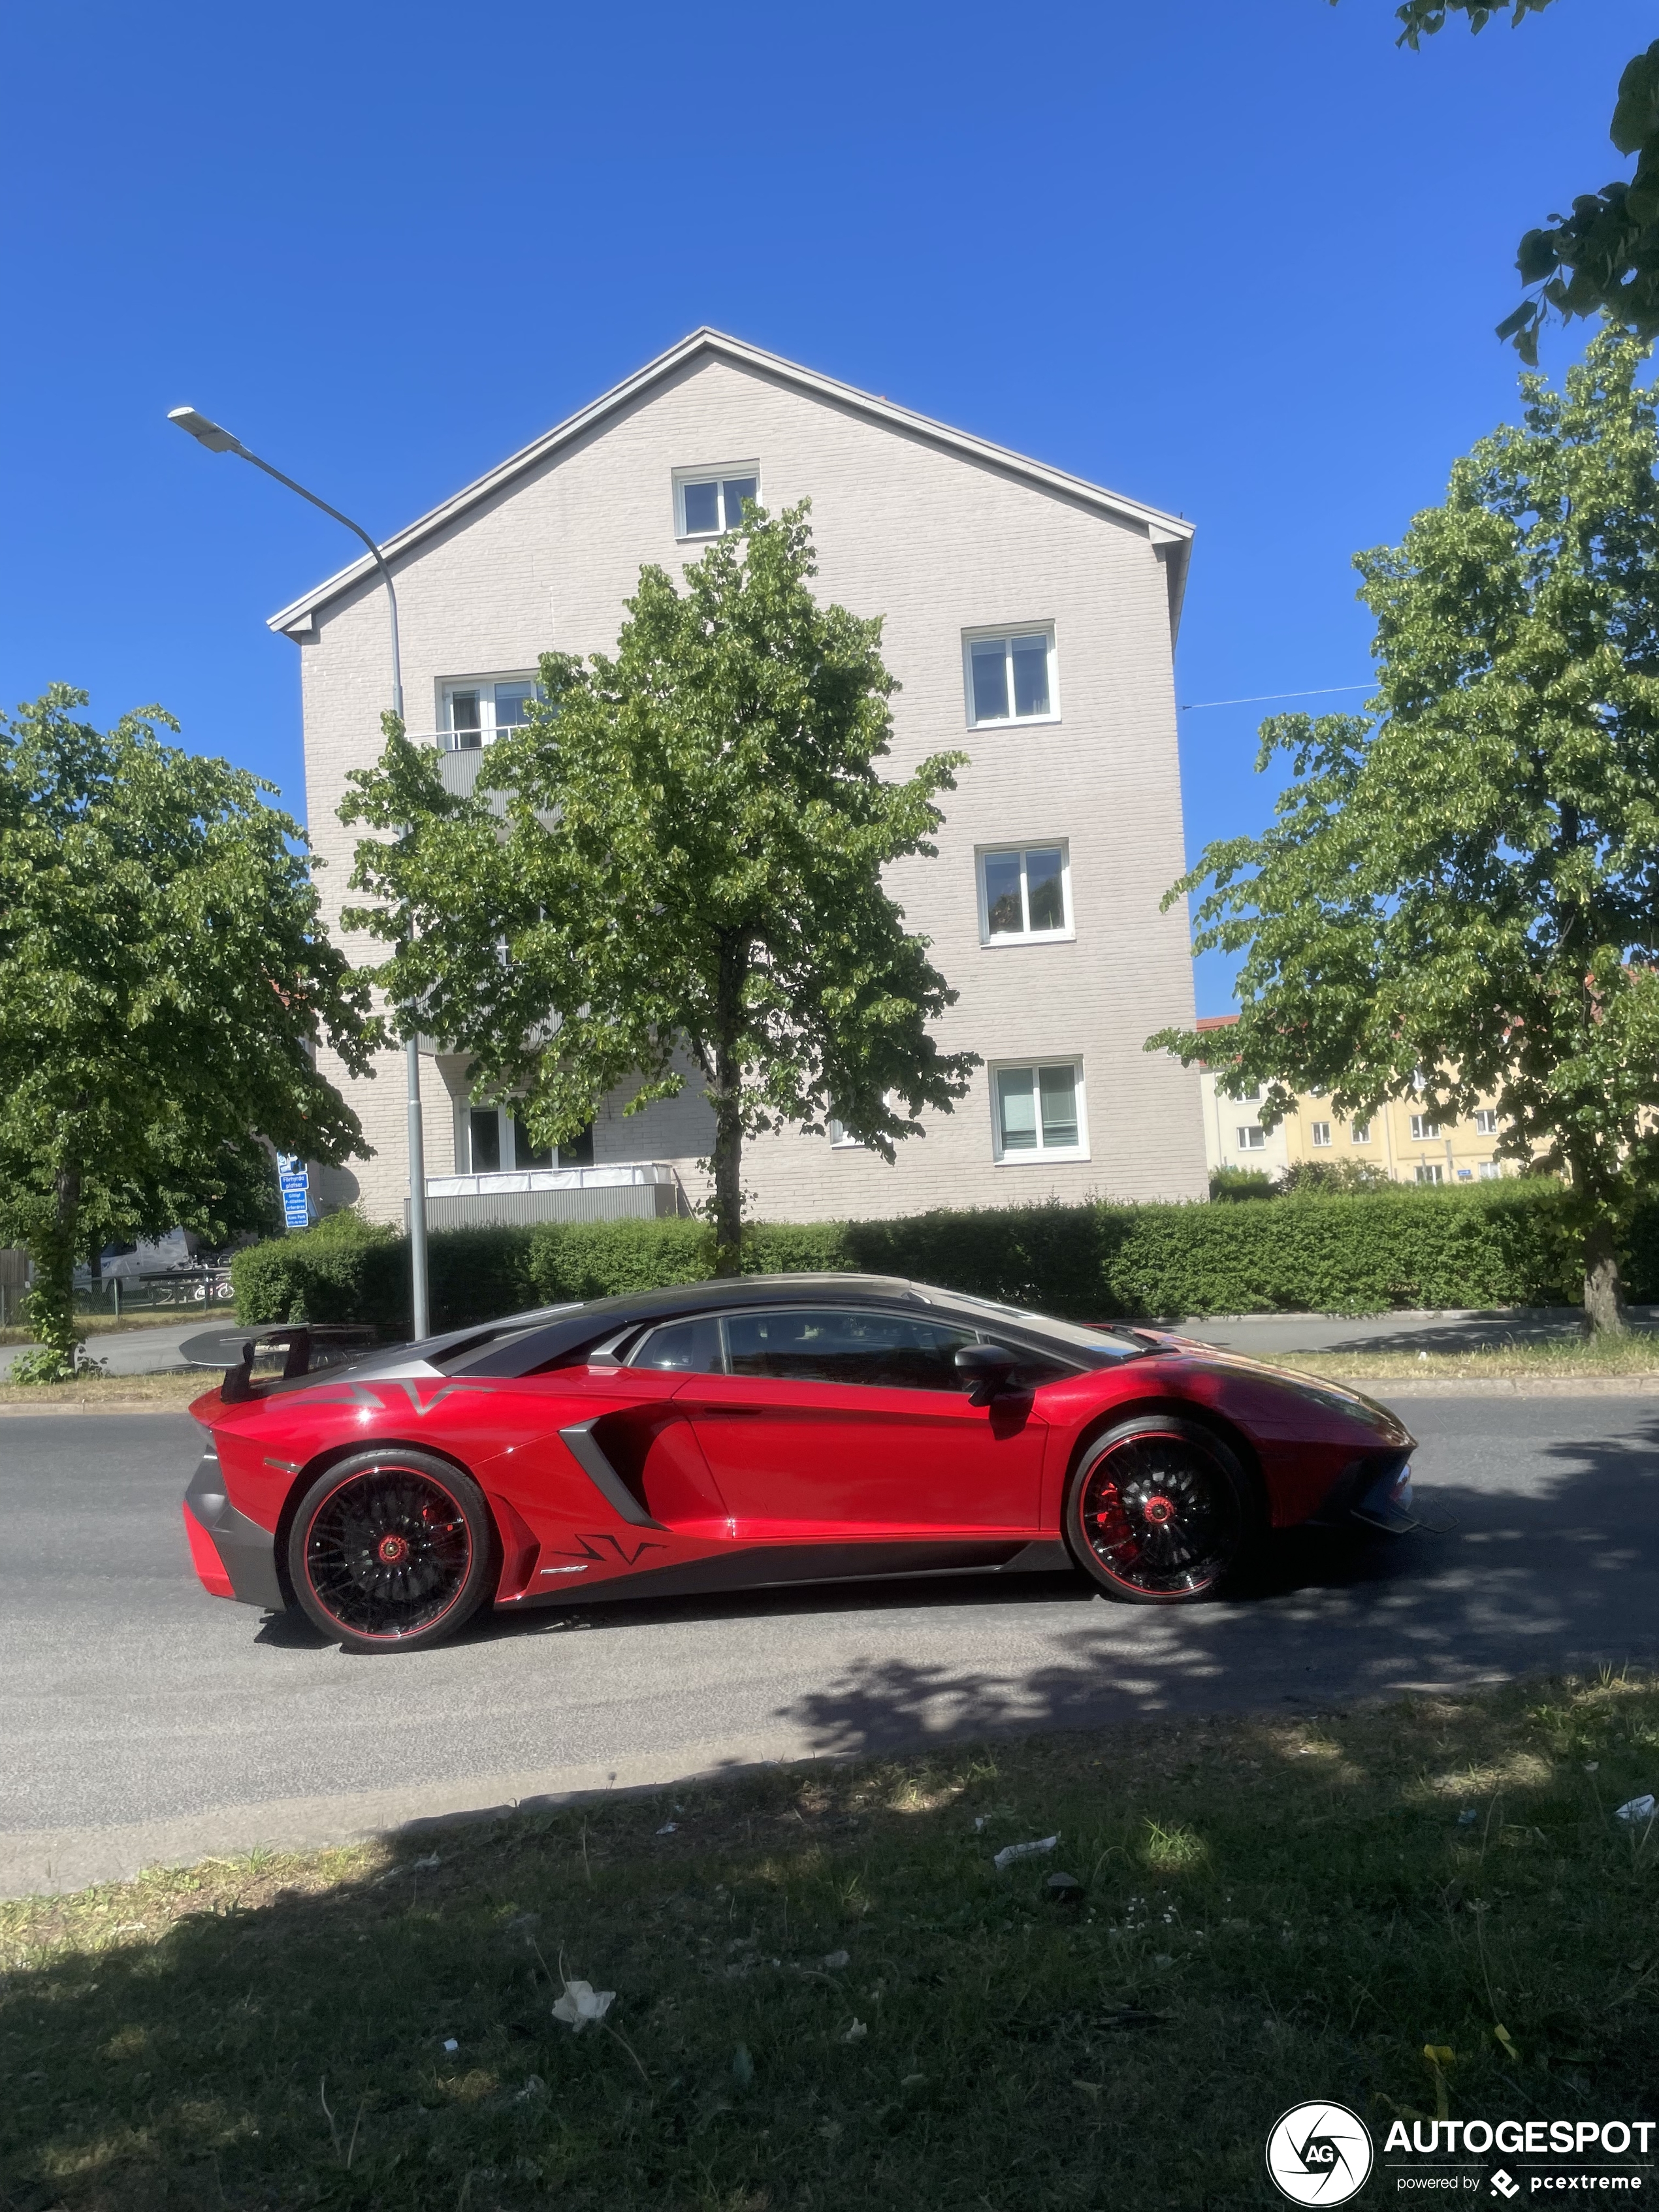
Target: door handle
x: 727, y: 1412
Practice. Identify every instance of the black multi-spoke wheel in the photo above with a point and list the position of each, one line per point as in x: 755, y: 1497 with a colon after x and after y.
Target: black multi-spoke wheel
x: 390, y: 1548
x: 1159, y: 1512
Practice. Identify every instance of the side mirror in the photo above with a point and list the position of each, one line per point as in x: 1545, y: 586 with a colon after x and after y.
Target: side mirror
x: 988, y: 1367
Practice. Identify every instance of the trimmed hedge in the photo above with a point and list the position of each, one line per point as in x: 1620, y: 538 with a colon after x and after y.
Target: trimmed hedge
x: 1503, y: 1244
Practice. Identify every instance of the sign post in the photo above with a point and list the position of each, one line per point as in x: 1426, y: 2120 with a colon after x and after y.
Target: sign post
x: 296, y: 1190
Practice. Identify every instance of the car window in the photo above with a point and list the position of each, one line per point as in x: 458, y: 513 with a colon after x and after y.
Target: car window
x: 848, y: 1344
x: 1031, y: 1368
x: 691, y: 1348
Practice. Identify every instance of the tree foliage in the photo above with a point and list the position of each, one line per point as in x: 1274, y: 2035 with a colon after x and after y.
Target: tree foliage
x: 163, y: 977
x: 1458, y: 891
x: 1603, y: 258
x: 681, y: 854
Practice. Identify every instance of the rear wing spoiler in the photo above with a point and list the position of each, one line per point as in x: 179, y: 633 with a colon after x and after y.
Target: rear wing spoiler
x: 305, y: 1344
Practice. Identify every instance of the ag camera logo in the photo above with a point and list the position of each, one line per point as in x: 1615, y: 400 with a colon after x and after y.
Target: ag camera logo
x: 1319, y: 2154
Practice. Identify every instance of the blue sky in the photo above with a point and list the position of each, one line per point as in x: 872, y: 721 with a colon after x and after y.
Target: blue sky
x: 1241, y: 259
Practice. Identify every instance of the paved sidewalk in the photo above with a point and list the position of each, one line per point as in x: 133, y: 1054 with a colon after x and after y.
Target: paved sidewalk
x: 133, y: 1351
x: 1271, y: 1334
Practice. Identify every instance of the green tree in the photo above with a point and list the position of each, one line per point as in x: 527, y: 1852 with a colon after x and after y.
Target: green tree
x: 1460, y: 893
x: 1604, y: 257
x: 680, y: 854
x: 163, y: 979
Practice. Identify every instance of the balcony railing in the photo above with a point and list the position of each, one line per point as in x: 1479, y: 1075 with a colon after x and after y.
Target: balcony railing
x: 500, y: 1183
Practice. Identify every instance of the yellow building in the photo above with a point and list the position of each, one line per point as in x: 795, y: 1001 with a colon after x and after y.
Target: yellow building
x: 1403, y: 1139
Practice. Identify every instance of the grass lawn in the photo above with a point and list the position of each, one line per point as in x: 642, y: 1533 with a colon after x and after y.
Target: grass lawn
x: 826, y: 1996
x: 1570, y: 1359
x: 176, y: 1388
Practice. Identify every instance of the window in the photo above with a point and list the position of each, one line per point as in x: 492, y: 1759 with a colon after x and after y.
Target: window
x: 1039, y: 1110
x: 1424, y: 1128
x: 848, y: 1344
x: 476, y: 713
x: 1250, y: 1097
x: 1360, y: 1134
x: 709, y: 502
x: 1431, y: 1171
x: 1010, y: 678
x: 498, y: 1143
x: 1486, y: 1121
x: 1025, y: 894
x: 841, y: 1138
x: 1321, y: 1133
x: 1489, y: 1171
x: 691, y: 1348
x: 1252, y: 1138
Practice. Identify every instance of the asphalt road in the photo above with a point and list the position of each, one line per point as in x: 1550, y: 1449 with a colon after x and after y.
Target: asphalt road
x: 142, y: 1720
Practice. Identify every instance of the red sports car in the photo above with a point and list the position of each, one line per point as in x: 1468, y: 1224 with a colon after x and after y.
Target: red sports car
x: 770, y: 1430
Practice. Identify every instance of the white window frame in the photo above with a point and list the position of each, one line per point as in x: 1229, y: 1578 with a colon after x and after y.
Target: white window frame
x: 841, y: 1140
x: 1486, y: 1121
x: 1008, y: 632
x: 1425, y: 1129
x: 717, y: 475
x: 1320, y: 1134
x: 1360, y: 1134
x: 1027, y: 936
x: 1245, y: 1132
x: 485, y: 687
x: 1039, y: 1152
x: 507, y: 1141
x: 1489, y: 1171
x: 1431, y: 1171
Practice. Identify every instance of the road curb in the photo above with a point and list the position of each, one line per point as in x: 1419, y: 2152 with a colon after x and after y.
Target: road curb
x: 49, y: 1861
x: 95, y: 1406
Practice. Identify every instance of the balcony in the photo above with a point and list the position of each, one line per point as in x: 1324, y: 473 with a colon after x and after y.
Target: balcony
x: 621, y: 1190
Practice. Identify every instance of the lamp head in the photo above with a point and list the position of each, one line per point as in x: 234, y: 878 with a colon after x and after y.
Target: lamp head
x: 207, y: 433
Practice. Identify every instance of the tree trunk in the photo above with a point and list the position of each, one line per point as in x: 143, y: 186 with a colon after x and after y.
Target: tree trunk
x: 1604, y: 1289
x: 51, y: 1303
x: 728, y: 1116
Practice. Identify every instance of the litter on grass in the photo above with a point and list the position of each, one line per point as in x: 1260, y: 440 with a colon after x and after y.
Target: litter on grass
x: 856, y: 2033
x: 669, y: 1828
x: 451, y: 2046
x: 414, y: 1866
x: 1063, y: 1889
x: 1638, y: 1809
x: 835, y: 1960
x: 1467, y: 1817
x: 1010, y: 1852
x: 581, y: 2002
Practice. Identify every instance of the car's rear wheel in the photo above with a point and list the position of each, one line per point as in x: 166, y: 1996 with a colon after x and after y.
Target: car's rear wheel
x: 392, y: 1550
x: 1159, y: 1512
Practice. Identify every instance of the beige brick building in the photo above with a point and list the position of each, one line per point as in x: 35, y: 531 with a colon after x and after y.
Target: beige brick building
x: 1402, y: 1139
x: 1030, y: 620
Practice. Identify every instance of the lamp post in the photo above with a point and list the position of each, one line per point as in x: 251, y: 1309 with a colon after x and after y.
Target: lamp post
x: 218, y: 441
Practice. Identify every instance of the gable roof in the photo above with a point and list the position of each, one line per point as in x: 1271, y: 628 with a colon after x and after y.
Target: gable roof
x: 1161, y: 529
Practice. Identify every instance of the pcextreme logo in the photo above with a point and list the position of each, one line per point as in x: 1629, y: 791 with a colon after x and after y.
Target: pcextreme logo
x: 1319, y: 2154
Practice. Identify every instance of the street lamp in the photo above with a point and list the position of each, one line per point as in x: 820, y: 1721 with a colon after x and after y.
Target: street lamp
x: 218, y: 441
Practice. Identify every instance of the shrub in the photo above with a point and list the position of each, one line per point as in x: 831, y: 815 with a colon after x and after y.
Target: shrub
x: 1499, y: 1244
x: 1229, y: 1185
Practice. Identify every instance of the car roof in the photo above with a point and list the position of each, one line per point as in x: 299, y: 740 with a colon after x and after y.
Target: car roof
x: 522, y: 1343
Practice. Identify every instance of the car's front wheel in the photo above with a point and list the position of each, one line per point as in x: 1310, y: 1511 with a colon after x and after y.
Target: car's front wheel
x: 392, y: 1550
x: 1159, y: 1512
